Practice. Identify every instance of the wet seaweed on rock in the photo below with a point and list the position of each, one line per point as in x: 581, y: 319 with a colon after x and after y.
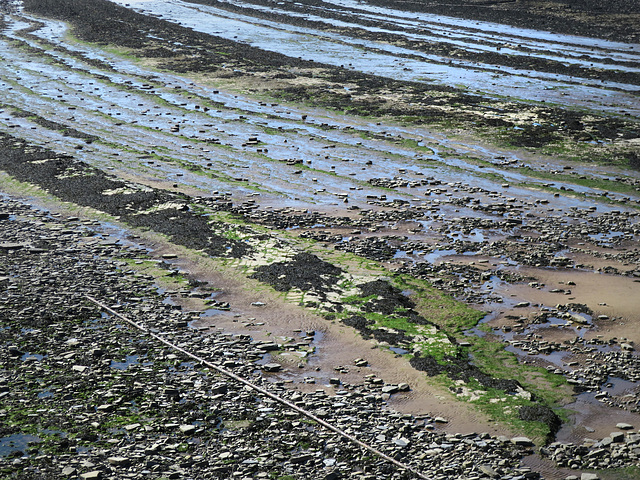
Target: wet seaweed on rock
x: 75, y: 181
x: 543, y: 414
x: 305, y: 272
x: 458, y: 368
x: 381, y: 335
x: 51, y: 125
x: 358, y: 322
x: 389, y: 300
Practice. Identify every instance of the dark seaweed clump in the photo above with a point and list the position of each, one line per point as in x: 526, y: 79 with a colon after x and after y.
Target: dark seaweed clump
x: 362, y: 325
x: 460, y: 369
x: 75, y: 181
x: 390, y: 300
x: 543, y: 414
x: 305, y: 271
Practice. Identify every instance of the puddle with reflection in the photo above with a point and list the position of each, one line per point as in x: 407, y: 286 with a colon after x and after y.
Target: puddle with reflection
x: 437, y: 255
x: 398, y: 350
x: 595, y: 418
x: 618, y: 386
x: 16, y: 442
x: 130, y: 360
x: 556, y: 358
x: 32, y: 357
x: 46, y: 394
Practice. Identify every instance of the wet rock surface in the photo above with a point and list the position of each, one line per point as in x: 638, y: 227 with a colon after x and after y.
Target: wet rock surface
x: 206, y: 53
x: 585, y: 17
x: 387, y: 193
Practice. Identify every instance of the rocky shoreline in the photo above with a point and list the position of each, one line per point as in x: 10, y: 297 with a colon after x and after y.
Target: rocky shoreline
x: 378, y: 231
x: 84, y: 395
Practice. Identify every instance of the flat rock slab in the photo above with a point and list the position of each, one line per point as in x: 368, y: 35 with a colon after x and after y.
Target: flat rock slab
x: 589, y: 476
x: 272, y: 367
x: 186, y: 429
x: 93, y: 475
x: 488, y: 471
x: 624, y: 426
x: 11, y: 245
x: 617, y: 437
x: 401, y: 442
x: 118, y: 461
x: 522, y: 441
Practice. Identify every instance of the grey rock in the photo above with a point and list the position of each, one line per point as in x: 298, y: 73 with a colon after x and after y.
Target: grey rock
x: 589, y: 476
x: 219, y: 387
x: 624, y: 426
x: 606, y: 441
x: 12, y: 245
x: 119, y: 461
x: 390, y: 389
x: 272, y: 367
x: 401, y: 442
x: 617, y: 437
x: 92, y: 475
x: 187, y: 429
x: 302, y: 458
x: 522, y: 441
x: 488, y: 471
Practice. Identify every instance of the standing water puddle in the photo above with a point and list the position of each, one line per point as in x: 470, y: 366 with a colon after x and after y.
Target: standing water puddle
x: 16, y: 442
x: 129, y: 361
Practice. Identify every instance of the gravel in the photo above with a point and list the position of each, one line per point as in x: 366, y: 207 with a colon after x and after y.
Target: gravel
x: 95, y: 399
x: 82, y: 395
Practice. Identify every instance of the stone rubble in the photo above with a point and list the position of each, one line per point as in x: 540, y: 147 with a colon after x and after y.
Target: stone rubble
x: 104, y: 401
